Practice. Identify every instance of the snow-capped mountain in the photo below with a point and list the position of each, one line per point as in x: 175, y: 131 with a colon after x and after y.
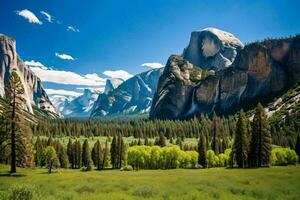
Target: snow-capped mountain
x: 133, y: 96
x: 79, y: 106
x: 60, y: 101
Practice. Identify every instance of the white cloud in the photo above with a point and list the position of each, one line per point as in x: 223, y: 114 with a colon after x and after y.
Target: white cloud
x: 49, y: 17
x: 30, y: 16
x: 72, y: 28
x: 64, y: 56
x: 62, y: 92
x: 94, y: 77
x: 34, y: 63
x: 66, y: 77
x: 153, y: 65
x: 121, y: 74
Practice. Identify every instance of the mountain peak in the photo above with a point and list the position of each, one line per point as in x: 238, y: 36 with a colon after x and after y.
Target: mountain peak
x: 212, y: 48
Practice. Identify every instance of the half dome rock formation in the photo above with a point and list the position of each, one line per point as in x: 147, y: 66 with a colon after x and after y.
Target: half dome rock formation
x: 34, y: 94
x: 212, y: 49
x: 133, y: 96
x: 260, y: 72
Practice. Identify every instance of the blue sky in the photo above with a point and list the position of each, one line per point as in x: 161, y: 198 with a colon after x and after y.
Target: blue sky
x: 122, y: 35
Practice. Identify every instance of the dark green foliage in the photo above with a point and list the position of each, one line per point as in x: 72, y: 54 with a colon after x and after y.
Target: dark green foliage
x: 161, y: 140
x: 18, y: 136
x: 62, y: 156
x: 86, y: 156
x: 70, y: 153
x: 146, y: 142
x: 97, y: 155
x: 139, y: 142
x: 114, y: 152
x: 297, y: 148
x: 105, y: 155
x: 39, y: 152
x: 215, y: 129
x: 260, y: 145
x: 76, y: 155
x: 241, y: 144
x: 202, y: 151
x: 179, y: 143
x: 117, y: 151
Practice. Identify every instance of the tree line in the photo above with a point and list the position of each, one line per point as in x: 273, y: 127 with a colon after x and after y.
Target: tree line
x: 250, y: 141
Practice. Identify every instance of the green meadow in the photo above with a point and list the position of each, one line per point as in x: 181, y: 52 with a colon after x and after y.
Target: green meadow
x: 215, y: 183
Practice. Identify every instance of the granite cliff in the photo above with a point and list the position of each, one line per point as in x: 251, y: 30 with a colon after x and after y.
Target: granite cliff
x: 34, y: 94
x: 260, y: 72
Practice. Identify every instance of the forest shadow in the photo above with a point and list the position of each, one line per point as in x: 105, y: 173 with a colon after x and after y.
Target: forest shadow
x: 8, y: 174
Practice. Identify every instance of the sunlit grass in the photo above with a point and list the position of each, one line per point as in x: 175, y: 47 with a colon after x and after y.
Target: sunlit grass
x: 216, y: 183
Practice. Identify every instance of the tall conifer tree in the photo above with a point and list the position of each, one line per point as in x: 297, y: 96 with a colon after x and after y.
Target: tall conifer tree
x: 241, y: 143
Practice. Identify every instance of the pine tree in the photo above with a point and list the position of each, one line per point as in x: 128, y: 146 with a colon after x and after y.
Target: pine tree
x: 38, y: 152
x: 114, y: 152
x: 215, y: 129
x: 297, y: 148
x: 19, y: 139
x: 139, y: 142
x: 105, y: 154
x: 260, y: 145
x: 86, y: 155
x: 179, y: 142
x: 146, y: 143
x: 202, y: 151
x: 122, y: 151
x: 98, y: 155
x: 50, y: 141
x: 162, y: 140
x: 62, y: 156
x: 70, y: 153
x: 241, y: 144
x: 77, y: 154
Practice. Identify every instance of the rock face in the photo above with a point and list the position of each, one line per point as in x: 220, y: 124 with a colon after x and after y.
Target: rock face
x: 80, y: 106
x: 112, y: 84
x: 133, y: 96
x: 212, y: 49
x: 259, y: 72
x: 34, y: 92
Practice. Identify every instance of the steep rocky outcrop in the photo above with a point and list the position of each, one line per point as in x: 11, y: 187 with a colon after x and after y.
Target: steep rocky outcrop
x: 133, y: 96
x: 112, y: 84
x: 34, y: 94
x: 212, y: 49
x: 260, y: 72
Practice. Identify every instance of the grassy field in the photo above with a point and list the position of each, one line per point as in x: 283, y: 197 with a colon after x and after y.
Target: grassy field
x: 217, y: 183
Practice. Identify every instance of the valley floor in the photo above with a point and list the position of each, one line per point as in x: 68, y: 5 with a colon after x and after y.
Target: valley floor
x: 216, y: 183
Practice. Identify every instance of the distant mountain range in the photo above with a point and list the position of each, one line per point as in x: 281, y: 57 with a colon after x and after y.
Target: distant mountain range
x: 133, y: 96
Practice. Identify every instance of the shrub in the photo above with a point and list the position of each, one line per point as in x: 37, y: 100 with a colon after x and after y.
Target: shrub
x: 127, y: 168
x: 84, y: 169
x: 284, y: 156
x: 156, y: 157
x: 24, y: 192
x: 211, y: 159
